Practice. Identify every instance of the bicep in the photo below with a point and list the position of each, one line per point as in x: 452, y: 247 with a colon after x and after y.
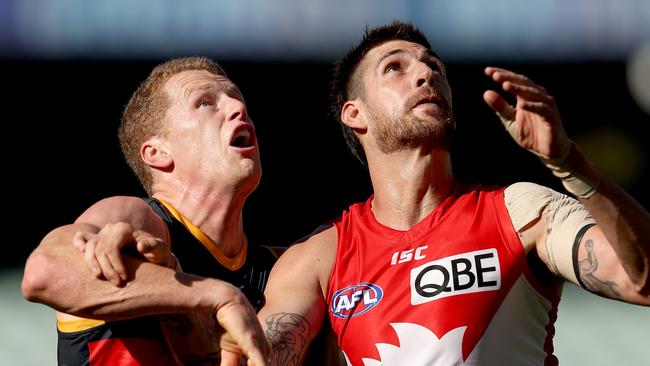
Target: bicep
x: 599, y: 268
x: 550, y: 222
x: 294, y: 307
x: 131, y: 210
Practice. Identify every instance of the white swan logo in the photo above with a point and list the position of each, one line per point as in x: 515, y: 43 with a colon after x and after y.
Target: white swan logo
x: 420, y: 347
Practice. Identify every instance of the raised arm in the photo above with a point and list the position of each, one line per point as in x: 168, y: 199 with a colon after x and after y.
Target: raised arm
x: 295, y: 306
x: 613, y: 257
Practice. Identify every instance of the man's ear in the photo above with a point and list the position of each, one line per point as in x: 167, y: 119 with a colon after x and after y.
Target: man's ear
x: 155, y: 154
x: 352, y: 116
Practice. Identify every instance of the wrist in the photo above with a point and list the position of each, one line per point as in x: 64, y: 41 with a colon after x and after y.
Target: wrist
x: 579, y: 177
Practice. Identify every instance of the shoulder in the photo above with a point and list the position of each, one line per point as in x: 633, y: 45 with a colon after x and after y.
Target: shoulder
x: 527, y: 201
x: 528, y: 190
x: 116, y: 206
x: 320, y: 242
x: 314, y: 254
x: 130, y: 209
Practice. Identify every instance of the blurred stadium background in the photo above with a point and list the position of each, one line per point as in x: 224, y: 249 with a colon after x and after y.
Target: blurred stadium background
x: 69, y: 66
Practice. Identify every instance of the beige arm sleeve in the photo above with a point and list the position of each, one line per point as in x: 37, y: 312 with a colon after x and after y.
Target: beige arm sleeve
x: 563, y: 217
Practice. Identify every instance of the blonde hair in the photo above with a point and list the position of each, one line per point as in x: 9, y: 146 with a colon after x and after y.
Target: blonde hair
x: 144, y: 114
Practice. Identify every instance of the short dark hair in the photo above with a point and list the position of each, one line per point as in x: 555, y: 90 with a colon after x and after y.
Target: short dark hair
x: 346, y: 83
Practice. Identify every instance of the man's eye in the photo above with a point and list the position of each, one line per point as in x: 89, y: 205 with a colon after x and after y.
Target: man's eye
x: 435, y: 66
x: 392, y: 67
x: 204, y: 102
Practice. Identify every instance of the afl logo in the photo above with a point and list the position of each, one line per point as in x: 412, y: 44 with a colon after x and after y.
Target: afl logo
x: 355, y: 300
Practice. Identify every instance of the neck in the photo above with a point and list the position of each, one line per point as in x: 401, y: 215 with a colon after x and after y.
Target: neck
x: 217, y: 213
x: 409, y: 185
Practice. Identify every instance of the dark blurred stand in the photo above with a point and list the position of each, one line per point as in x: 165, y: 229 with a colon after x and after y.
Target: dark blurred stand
x: 61, y: 152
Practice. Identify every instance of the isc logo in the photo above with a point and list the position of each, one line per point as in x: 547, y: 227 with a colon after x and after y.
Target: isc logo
x: 356, y: 300
x: 408, y: 255
x: 459, y: 274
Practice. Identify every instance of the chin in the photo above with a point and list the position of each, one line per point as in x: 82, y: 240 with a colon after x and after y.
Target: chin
x: 251, y: 172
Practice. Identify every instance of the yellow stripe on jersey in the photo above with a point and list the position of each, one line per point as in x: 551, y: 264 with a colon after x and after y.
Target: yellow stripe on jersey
x: 77, y: 325
x: 232, y: 264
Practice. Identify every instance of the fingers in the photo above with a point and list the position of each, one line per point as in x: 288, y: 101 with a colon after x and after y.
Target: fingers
x: 534, y: 122
x: 89, y: 257
x: 229, y: 358
x: 245, y: 337
x: 107, y: 251
x: 519, y: 85
x: 80, y: 238
x: 499, y: 105
x: 111, y: 266
x: 154, y: 250
x: 500, y: 75
x: 540, y: 108
x: 244, y: 332
x: 103, y: 251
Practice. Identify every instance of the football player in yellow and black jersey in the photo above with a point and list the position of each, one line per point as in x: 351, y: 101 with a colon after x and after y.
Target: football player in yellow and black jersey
x: 187, y: 135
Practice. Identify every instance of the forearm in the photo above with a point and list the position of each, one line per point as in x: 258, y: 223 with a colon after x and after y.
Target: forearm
x: 56, y: 275
x: 626, y: 224
x: 289, y: 337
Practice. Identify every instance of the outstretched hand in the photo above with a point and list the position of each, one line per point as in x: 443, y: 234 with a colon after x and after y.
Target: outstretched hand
x: 103, y: 251
x: 244, y: 334
x: 534, y: 122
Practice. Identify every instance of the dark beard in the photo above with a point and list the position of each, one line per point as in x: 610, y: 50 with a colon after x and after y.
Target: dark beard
x: 410, y: 132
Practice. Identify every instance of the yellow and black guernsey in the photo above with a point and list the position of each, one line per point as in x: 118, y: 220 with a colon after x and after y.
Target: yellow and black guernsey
x: 140, y: 341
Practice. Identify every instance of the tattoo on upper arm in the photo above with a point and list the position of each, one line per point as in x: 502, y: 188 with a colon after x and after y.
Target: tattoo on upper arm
x: 288, y: 335
x: 588, y: 267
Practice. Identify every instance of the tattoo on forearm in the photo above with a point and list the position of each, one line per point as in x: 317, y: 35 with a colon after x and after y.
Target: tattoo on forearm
x: 177, y: 323
x: 588, y: 267
x: 288, y: 335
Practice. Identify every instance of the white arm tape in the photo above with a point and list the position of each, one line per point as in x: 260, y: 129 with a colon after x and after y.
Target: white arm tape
x: 563, y: 218
x: 579, y: 177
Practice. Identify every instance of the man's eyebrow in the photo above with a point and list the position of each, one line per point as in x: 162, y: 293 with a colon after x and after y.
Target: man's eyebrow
x: 232, y: 88
x: 200, y: 87
x: 222, y: 86
x: 432, y: 54
x: 388, y: 54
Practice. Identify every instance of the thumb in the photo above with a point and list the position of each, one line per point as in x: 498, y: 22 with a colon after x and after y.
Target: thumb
x: 507, y: 114
x: 499, y: 105
x: 154, y: 250
x: 80, y: 239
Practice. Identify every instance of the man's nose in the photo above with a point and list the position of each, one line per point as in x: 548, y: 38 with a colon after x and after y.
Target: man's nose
x: 423, y: 74
x: 236, y: 110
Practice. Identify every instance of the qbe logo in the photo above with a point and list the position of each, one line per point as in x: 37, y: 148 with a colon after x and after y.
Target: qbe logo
x: 464, y: 273
x: 356, y: 299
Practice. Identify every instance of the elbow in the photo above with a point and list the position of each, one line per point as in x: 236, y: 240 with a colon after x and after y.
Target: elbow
x: 642, y: 287
x: 644, y: 291
x: 644, y: 297
x: 36, y: 278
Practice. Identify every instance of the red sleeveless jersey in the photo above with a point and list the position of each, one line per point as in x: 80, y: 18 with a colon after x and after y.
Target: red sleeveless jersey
x: 454, y: 289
